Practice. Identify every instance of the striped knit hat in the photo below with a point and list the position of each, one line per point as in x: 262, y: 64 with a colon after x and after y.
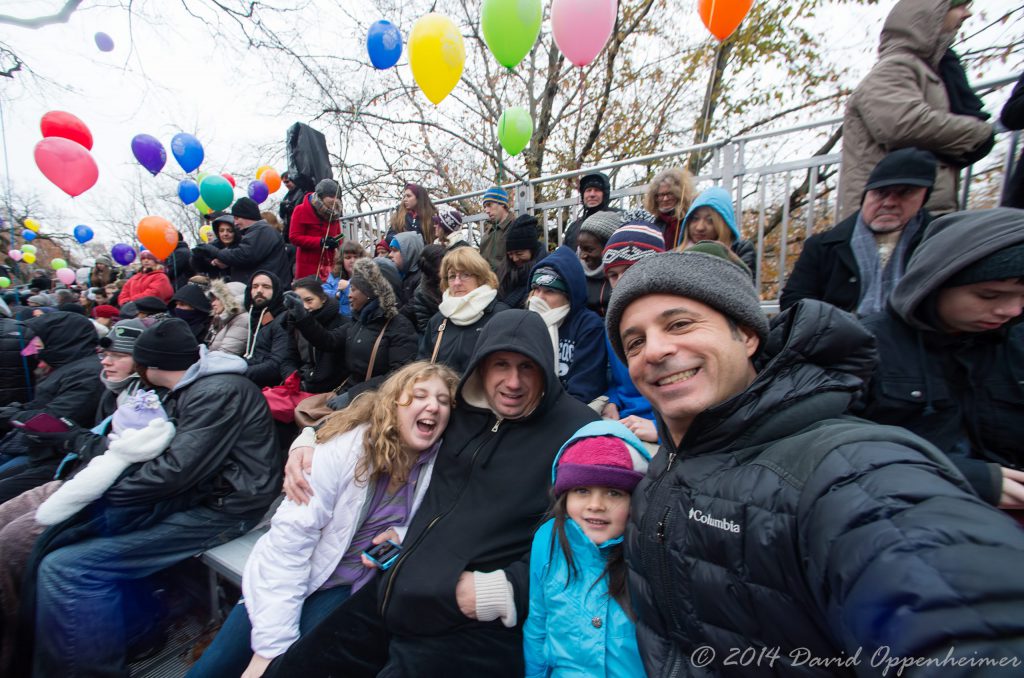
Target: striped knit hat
x: 496, y: 194
x: 631, y: 243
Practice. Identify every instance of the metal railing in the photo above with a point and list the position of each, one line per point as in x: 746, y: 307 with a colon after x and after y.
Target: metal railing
x: 759, y: 170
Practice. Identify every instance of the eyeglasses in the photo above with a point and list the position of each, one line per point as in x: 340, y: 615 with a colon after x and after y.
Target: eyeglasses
x: 452, y: 277
x: 664, y: 196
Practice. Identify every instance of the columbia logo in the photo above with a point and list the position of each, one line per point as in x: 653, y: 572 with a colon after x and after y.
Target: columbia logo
x: 720, y: 523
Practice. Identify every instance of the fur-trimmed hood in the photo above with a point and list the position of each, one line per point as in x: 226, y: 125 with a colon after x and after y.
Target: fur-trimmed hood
x: 232, y: 303
x: 382, y: 289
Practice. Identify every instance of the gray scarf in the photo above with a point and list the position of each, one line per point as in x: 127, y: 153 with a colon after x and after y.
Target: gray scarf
x: 876, y: 282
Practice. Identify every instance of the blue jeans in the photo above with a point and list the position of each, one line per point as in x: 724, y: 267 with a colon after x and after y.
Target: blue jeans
x: 230, y: 651
x: 80, y: 626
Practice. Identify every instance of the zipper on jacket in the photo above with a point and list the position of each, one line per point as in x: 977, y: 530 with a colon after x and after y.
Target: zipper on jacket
x: 661, y: 526
x: 436, y: 519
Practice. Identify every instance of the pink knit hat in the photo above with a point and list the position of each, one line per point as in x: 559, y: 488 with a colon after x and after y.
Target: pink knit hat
x: 601, y: 461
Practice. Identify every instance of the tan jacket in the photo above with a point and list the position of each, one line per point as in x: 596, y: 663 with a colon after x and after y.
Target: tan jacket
x: 902, y: 102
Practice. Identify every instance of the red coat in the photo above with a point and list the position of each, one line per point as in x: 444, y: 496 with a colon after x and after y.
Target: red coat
x: 155, y: 284
x: 306, y: 231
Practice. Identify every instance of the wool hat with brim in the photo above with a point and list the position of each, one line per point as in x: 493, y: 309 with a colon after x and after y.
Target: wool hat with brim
x: 522, y: 234
x: 546, y: 276
x: 631, y: 243
x: 246, y: 208
x: 151, y: 305
x: 704, y: 273
x: 602, y: 225
x: 168, y: 345
x: 905, y: 167
x: 122, y: 336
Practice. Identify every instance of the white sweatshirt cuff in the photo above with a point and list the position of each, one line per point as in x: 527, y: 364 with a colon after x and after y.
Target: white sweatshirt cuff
x: 494, y: 597
x: 306, y: 439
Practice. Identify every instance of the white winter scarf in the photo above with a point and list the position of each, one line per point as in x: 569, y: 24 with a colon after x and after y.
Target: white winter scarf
x: 132, y: 446
x: 592, y: 272
x: 469, y: 308
x: 552, y: 317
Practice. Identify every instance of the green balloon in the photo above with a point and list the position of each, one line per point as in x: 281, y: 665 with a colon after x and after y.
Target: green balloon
x: 515, y: 129
x: 510, y: 28
x: 202, y: 206
x: 216, y: 192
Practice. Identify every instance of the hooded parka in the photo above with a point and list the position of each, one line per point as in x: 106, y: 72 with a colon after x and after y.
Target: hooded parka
x: 587, y: 180
x: 270, y: 348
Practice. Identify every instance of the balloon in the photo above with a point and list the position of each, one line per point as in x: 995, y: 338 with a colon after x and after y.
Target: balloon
x: 261, y: 169
x: 510, y: 28
x: 149, y: 152
x: 188, y: 191
x: 83, y: 234
x: 123, y: 254
x: 384, y: 44
x: 29, y: 236
x: 187, y: 151
x: 230, y: 179
x: 258, y: 191
x: 32, y: 224
x: 29, y: 258
x: 5, y: 282
x: 28, y: 249
x: 104, y: 42
x: 14, y: 254
x: 67, y: 164
x: 272, y: 179
x: 67, y: 126
x: 436, y: 55
x: 205, y: 232
x: 582, y: 27
x: 66, y: 276
x: 200, y: 176
x: 158, y: 235
x: 58, y: 263
x: 723, y: 17
x: 216, y: 192
x: 202, y: 206
x: 515, y: 129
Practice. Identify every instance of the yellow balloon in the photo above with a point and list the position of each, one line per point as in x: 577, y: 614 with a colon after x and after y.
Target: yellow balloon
x: 32, y: 225
x: 29, y: 258
x: 261, y: 169
x: 436, y: 55
x: 206, y: 232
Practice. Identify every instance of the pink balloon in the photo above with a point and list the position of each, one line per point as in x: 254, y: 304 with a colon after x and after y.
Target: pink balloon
x: 67, y: 164
x: 582, y: 27
x: 66, y: 276
x: 14, y: 254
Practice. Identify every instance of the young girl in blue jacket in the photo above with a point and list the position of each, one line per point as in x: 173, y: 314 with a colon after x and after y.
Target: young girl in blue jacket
x: 580, y: 622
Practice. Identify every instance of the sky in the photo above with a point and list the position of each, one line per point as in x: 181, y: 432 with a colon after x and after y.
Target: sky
x: 166, y: 75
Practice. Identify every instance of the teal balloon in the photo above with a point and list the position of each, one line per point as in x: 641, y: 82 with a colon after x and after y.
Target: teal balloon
x: 510, y: 28
x: 216, y: 192
x: 515, y: 127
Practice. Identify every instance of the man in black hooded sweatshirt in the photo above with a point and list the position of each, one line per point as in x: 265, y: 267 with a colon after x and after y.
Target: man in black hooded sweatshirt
x: 270, y: 346
x: 454, y: 602
x: 595, y: 193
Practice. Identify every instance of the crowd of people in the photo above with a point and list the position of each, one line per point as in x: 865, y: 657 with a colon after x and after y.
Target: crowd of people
x: 505, y: 458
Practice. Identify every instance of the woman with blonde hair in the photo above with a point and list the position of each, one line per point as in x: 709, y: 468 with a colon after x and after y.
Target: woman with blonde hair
x: 372, y: 466
x: 469, y: 299
x: 668, y: 199
x: 711, y: 217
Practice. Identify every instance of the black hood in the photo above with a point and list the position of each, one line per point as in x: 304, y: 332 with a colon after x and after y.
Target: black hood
x: 519, y: 331
x: 814, y: 361
x: 604, y: 183
x: 66, y: 337
x: 275, y: 306
x: 326, y: 313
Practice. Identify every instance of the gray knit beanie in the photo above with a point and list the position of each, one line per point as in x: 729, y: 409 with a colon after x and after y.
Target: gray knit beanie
x: 328, y: 188
x: 602, y: 225
x: 709, y: 278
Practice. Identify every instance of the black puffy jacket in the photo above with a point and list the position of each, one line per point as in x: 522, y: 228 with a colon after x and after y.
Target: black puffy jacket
x: 73, y: 388
x: 488, y: 492
x: 777, y: 524
x: 321, y: 371
x: 457, y: 342
x: 422, y: 307
x: 15, y: 369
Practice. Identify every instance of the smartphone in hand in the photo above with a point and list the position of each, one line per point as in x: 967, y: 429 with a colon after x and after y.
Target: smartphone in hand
x: 384, y: 554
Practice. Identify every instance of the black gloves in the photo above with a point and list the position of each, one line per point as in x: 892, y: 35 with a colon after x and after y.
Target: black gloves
x: 294, y: 305
x: 208, y: 252
x: 331, y: 243
x: 339, y: 402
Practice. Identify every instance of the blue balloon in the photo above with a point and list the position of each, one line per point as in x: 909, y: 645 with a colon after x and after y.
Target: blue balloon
x: 28, y: 235
x: 258, y: 191
x: 187, y: 151
x: 83, y: 234
x: 188, y: 191
x: 384, y: 44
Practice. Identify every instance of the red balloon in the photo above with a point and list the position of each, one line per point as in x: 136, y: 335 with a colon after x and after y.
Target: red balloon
x: 67, y: 164
x: 67, y: 126
x: 231, y: 179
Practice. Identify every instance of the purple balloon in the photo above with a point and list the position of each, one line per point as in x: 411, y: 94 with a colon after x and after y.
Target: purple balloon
x: 258, y: 190
x: 123, y: 254
x: 149, y: 152
x: 104, y: 42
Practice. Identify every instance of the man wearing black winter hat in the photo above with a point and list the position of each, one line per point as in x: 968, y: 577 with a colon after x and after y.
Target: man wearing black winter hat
x: 260, y: 247
x: 858, y: 263
x: 214, y: 481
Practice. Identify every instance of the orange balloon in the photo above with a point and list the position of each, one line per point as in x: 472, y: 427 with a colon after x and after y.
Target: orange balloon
x: 723, y: 17
x: 272, y: 179
x: 158, y: 235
